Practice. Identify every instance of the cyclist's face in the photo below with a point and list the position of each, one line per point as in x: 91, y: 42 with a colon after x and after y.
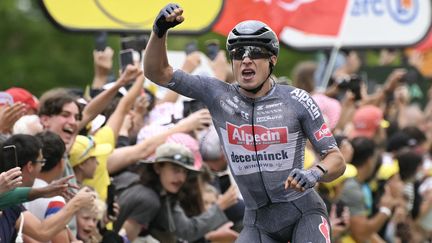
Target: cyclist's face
x: 251, y: 66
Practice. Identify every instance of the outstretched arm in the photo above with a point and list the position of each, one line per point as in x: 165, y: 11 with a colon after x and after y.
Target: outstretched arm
x: 156, y: 66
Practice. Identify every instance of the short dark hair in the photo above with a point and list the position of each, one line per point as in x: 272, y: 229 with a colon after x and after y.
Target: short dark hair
x: 53, y: 149
x: 52, y: 102
x: 364, y: 148
x: 27, y: 149
x: 409, y: 161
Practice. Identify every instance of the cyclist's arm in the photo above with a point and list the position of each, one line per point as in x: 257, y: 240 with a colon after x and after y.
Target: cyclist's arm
x: 334, y: 163
x: 156, y: 66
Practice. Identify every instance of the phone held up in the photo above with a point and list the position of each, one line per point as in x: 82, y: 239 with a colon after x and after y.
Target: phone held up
x: 9, y: 158
x: 212, y: 48
x: 126, y: 57
x: 111, y: 199
x: 101, y: 41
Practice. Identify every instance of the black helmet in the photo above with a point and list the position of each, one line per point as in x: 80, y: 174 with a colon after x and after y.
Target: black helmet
x: 253, y: 33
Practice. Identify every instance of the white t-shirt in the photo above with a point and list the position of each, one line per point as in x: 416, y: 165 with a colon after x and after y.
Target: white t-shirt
x: 42, y: 208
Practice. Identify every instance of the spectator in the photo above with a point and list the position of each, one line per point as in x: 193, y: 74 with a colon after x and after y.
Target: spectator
x: 153, y: 205
x: 83, y: 156
x: 30, y: 160
x: 358, y: 197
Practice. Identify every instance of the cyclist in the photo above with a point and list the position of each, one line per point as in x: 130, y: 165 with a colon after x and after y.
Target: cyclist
x: 263, y: 127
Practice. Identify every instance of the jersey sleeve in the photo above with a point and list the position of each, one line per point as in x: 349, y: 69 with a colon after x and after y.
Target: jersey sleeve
x: 312, y: 122
x: 196, y: 86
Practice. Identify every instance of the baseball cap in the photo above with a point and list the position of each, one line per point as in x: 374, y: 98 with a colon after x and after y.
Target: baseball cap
x: 174, y: 153
x: 24, y: 96
x: 367, y: 119
x: 388, y: 170
x: 85, y: 147
x: 190, y: 143
x: 350, y: 172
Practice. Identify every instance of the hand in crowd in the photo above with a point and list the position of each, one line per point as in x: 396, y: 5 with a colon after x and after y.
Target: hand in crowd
x: 339, y: 225
x: 103, y: 61
x: 130, y: 73
x: 387, y: 199
x: 10, y: 179
x: 228, y: 199
x: 83, y: 198
x: 394, y: 80
x: 223, y: 234
x: 191, y: 62
x: 9, y: 115
x: 60, y: 188
x: 197, y: 121
x: 111, y: 218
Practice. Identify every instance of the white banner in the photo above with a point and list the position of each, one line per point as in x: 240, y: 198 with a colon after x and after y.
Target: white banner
x: 367, y: 23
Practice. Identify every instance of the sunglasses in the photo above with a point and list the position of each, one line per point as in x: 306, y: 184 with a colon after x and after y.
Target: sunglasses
x: 253, y: 52
x: 41, y: 161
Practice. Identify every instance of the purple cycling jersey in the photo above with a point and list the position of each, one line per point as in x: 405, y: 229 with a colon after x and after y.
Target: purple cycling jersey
x: 263, y: 138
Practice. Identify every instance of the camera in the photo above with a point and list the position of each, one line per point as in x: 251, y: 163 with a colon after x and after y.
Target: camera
x: 352, y: 83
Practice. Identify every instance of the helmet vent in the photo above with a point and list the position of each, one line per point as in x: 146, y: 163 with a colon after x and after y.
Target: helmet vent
x: 258, y: 32
x: 261, y: 31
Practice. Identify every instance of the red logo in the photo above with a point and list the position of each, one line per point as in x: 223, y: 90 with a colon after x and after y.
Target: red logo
x: 325, y: 229
x: 324, y: 131
x: 263, y: 138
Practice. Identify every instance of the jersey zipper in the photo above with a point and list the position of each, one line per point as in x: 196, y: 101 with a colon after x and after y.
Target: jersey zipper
x: 256, y: 154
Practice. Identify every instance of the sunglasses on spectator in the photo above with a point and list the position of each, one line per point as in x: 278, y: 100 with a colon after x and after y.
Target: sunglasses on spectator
x: 253, y: 52
x: 41, y: 161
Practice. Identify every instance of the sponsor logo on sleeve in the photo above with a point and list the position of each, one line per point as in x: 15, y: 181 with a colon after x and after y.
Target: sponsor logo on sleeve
x: 304, y: 98
x: 260, y: 136
x: 324, y: 131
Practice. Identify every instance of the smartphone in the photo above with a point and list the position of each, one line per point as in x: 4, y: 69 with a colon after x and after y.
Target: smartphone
x: 9, y: 158
x: 111, y: 199
x: 126, y: 57
x: 101, y: 41
x: 191, y: 47
x: 212, y: 49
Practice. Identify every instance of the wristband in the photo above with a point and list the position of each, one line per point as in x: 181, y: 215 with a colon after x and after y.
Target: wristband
x: 321, y: 168
x: 385, y: 210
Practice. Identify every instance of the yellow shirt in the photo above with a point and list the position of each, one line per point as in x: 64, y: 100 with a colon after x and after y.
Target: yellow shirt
x: 101, y: 179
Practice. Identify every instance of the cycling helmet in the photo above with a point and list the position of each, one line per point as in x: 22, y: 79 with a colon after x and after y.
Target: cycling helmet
x: 253, y: 33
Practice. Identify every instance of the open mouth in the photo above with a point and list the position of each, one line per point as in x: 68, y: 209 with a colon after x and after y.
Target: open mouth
x: 68, y: 130
x: 248, y: 73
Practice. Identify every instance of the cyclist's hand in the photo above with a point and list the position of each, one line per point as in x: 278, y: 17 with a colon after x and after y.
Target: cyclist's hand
x: 168, y: 17
x: 300, y: 180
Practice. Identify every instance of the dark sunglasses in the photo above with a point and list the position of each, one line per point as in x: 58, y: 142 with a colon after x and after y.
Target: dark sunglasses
x: 253, y: 52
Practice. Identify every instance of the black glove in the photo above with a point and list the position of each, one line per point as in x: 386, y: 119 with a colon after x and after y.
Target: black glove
x: 306, y: 178
x: 160, y: 25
